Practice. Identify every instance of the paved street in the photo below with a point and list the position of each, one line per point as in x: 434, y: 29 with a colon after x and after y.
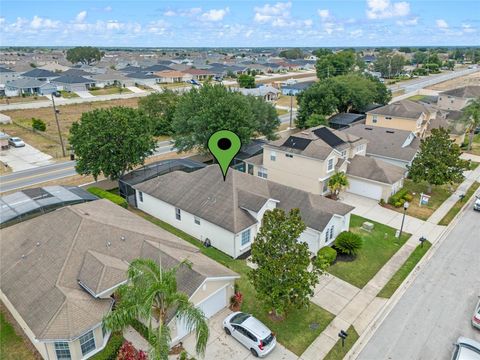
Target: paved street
x: 436, y: 309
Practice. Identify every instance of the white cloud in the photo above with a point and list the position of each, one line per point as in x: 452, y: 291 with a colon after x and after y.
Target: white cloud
x: 215, y: 14
x: 441, y: 24
x: 114, y: 25
x: 248, y: 33
x: 169, y: 13
x: 308, y: 22
x: 81, y: 16
x: 277, y: 13
x: 107, y: 8
x: 158, y: 27
x: 384, y: 9
x: 325, y: 13
x: 467, y: 28
x: 356, y: 33
x: 41, y: 23
x: 408, y: 22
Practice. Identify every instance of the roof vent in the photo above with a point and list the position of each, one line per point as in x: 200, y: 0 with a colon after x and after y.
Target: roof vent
x: 38, y: 243
x: 24, y: 256
x: 368, y: 128
x: 390, y: 132
x: 122, y: 238
x: 109, y: 244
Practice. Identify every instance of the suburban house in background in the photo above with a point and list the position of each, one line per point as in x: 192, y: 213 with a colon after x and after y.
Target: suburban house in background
x: 228, y: 214
x: 344, y: 120
x: 268, y: 93
x: 41, y: 75
x: 306, y: 161
x: 73, y: 83
x: 452, y: 121
x: 402, y: 115
x: 29, y: 87
x: 172, y: 76
x: 7, y: 75
x: 398, y: 147
x: 295, y: 88
x: 457, y: 99
x: 142, y: 78
x: 60, y: 270
x: 199, y: 74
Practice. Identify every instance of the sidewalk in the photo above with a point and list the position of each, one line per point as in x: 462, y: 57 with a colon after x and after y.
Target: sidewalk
x: 362, y: 308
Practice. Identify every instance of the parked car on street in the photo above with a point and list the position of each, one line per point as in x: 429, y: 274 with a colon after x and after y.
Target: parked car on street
x: 193, y: 82
x: 16, y: 142
x: 250, y: 332
x: 466, y: 349
x: 476, y: 313
x: 476, y: 204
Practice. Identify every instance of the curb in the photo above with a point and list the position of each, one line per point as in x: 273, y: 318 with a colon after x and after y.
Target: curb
x: 395, y: 298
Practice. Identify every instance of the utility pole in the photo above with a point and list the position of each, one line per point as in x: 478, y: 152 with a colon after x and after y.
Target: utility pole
x: 291, y: 108
x: 55, y: 112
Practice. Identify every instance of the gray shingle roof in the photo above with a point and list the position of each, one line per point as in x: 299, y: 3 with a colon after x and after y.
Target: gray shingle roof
x: 42, y: 260
x: 386, y: 142
x: 5, y: 70
x: 205, y: 194
x: 40, y: 73
x: 466, y: 92
x: 373, y: 169
x: 141, y: 75
x: 73, y: 79
x: 403, y: 108
x: 25, y: 83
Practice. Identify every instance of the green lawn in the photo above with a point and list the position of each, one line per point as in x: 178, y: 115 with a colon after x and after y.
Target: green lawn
x: 294, y: 331
x: 379, y: 245
x: 338, y: 352
x: 459, y: 204
x: 473, y: 165
x: 437, y: 197
x: 281, y: 112
x: 475, y: 144
x: 417, y: 97
x: 109, y: 91
x: 68, y: 95
x: 404, y: 270
x: 12, y: 346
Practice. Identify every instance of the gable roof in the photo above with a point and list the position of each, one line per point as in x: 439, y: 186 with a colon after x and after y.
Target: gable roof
x: 76, y: 72
x: 73, y: 79
x: 40, y: 73
x: 404, y: 108
x: 53, y: 265
x: 345, y: 118
x: 157, y: 67
x: 373, y: 169
x: 25, y: 83
x: 5, y: 70
x: 317, y: 142
x: 205, y: 194
x: 386, y: 142
x: 466, y: 92
x: 141, y: 75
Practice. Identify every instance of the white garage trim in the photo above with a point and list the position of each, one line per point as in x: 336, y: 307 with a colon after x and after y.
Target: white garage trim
x: 365, y: 188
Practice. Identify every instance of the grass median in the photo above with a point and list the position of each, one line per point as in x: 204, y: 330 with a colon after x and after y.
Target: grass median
x: 459, y: 204
x: 338, y: 351
x: 402, y: 273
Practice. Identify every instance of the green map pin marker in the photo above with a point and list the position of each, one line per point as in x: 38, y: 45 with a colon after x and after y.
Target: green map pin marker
x: 224, y: 145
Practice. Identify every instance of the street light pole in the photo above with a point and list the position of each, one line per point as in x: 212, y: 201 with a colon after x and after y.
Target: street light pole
x: 405, y: 207
x: 58, y: 126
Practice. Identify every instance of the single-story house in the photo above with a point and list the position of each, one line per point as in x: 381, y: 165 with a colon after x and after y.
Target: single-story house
x: 457, y: 99
x: 228, y: 214
x: 199, y: 74
x: 344, y: 120
x: 54, y: 67
x: 74, y: 83
x: 60, y: 270
x: 294, y: 89
x: 77, y: 72
x: 7, y: 75
x: 156, y: 68
x: 372, y: 178
x: 142, y: 78
x: 29, y: 86
x: 398, y: 147
x: 112, y: 78
x: 267, y: 92
x: 173, y: 76
x: 40, y: 74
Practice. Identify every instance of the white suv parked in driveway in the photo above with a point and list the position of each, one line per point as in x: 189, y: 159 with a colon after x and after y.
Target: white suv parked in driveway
x: 476, y: 204
x: 250, y: 332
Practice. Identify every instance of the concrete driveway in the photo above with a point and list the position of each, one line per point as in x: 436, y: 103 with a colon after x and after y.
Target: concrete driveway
x: 221, y: 346
x: 23, y: 158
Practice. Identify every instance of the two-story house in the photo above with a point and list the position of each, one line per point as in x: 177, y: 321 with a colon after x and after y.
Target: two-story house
x: 402, y: 115
x: 306, y: 161
x: 457, y: 99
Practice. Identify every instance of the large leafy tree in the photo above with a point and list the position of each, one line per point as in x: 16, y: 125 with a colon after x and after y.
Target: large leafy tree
x: 390, y: 65
x: 438, y: 161
x: 285, y: 276
x: 471, y: 116
x: 246, y: 81
x: 340, y: 63
x: 201, y: 112
x: 345, y: 93
x: 336, y: 183
x: 151, y: 293
x: 84, y: 54
x: 111, y: 141
x: 160, y: 107
x: 291, y: 53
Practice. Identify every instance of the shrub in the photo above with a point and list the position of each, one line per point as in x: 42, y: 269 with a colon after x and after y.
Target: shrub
x: 104, y: 194
x: 327, y: 254
x: 348, y: 243
x: 38, y: 124
x: 111, y: 349
x: 128, y: 352
x: 400, y: 197
x: 408, y: 197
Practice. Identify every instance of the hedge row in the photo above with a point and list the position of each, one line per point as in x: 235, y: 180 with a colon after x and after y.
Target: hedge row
x: 104, y: 194
x: 111, y: 349
x: 400, y: 197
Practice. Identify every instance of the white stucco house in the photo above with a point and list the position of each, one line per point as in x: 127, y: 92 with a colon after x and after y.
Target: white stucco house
x: 228, y: 214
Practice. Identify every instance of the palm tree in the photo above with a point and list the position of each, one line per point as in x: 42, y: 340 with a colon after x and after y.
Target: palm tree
x: 150, y: 293
x: 471, y: 116
x: 336, y: 183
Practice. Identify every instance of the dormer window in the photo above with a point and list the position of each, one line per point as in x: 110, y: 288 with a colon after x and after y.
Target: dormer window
x: 330, y: 165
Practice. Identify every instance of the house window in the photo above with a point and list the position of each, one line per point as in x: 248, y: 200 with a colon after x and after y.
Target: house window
x: 289, y: 155
x: 330, y: 165
x: 262, y: 172
x: 178, y: 214
x: 246, y: 237
x: 360, y: 148
x: 87, y: 343
x: 344, y: 154
x: 331, y: 232
x: 62, y: 350
x: 374, y: 119
x: 197, y: 220
x: 273, y: 155
x: 140, y: 196
x: 388, y: 118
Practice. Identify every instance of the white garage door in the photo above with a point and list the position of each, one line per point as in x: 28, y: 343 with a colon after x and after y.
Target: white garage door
x: 365, y: 188
x: 210, y: 306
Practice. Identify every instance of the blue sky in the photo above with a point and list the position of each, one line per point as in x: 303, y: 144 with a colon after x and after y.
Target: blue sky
x: 240, y: 23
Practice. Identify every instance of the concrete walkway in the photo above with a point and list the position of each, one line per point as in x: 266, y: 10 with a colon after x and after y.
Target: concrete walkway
x: 360, y: 309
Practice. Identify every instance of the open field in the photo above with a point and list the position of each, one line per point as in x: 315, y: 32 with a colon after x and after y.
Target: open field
x: 284, y: 100
x: 471, y: 79
x: 20, y: 99
x: 109, y: 91
x: 68, y: 114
